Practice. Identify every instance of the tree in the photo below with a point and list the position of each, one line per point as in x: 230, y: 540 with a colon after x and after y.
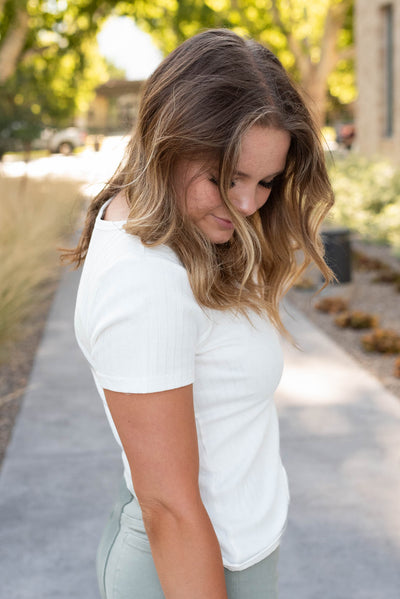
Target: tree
x: 49, y: 64
x: 312, y: 38
x: 35, y: 27
x: 46, y: 44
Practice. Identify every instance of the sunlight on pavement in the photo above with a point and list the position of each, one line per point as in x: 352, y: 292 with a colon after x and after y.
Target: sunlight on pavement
x: 92, y: 168
x: 308, y: 385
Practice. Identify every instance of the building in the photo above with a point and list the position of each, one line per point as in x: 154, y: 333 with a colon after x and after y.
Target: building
x: 114, y: 107
x: 377, y: 28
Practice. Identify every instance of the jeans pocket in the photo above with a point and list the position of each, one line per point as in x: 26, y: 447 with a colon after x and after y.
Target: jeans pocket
x: 132, y: 573
x: 134, y: 533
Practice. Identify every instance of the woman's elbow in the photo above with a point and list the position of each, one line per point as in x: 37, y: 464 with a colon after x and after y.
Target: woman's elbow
x: 160, y: 512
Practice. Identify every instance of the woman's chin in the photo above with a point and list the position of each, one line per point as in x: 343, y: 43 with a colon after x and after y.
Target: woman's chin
x: 219, y: 237
x: 216, y: 234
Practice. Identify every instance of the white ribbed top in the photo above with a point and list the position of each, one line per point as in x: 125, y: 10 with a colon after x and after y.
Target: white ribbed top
x: 141, y: 330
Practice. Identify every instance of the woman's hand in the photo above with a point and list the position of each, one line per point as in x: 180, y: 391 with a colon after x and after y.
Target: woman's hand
x: 158, y: 433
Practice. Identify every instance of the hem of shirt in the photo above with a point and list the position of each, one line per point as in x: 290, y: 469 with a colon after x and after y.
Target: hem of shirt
x: 120, y: 385
x: 255, y: 559
x: 258, y: 557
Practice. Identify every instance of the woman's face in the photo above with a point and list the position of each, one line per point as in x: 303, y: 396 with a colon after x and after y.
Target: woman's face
x: 262, y: 158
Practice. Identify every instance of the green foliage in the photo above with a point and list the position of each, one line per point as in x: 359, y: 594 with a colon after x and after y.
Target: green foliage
x: 367, y: 198
x: 295, y: 31
x: 54, y: 70
x: 58, y: 68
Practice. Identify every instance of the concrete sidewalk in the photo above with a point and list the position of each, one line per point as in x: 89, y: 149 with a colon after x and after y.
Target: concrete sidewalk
x: 340, y: 443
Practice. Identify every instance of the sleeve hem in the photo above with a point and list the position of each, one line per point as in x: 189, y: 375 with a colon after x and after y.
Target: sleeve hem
x: 124, y: 385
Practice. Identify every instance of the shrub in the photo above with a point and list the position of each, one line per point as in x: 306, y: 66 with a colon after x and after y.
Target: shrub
x: 363, y: 262
x: 304, y: 283
x: 357, y: 320
x: 331, y: 305
x: 387, y: 276
x: 367, y: 197
x: 396, y: 371
x: 384, y: 341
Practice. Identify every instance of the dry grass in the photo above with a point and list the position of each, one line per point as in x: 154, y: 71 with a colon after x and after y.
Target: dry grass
x: 36, y: 217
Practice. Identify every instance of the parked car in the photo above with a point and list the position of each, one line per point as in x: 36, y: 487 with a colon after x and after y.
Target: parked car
x: 66, y: 140
x: 346, y: 135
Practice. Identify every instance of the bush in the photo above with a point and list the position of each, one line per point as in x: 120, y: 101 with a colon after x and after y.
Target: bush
x: 384, y: 341
x: 367, y: 198
x: 365, y: 263
x: 36, y: 217
x: 304, y: 283
x: 357, y: 320
x: 396, y: 371
x: 331, y: 305
x: 387, y: 276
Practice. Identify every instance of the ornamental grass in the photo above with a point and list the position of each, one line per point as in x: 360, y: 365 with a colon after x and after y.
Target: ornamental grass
x: 36, y: 217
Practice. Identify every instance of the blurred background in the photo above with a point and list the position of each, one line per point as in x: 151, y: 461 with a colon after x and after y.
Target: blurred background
x: 70, y: 79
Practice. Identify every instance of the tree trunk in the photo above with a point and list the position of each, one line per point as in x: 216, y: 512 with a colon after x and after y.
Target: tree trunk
x: 315, y: 87
x: 13, y: 44
x: 314, y: 75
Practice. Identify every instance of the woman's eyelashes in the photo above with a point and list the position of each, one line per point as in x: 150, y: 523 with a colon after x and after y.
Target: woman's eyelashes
x: 265, y: 184
x: 214, y: 180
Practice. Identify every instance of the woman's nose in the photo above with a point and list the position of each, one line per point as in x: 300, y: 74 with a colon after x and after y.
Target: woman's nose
x: 245, y: 201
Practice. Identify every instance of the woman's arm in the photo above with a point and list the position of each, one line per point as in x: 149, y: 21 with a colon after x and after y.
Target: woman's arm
x: 158, y: 433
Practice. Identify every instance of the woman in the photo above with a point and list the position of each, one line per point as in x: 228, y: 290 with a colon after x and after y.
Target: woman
x: 188, y: 251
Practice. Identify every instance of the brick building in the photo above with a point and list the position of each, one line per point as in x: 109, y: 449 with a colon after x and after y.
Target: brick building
x: 378, y: 77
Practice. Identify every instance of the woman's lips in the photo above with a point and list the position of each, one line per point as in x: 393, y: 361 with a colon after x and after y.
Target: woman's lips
x: 225, y: 224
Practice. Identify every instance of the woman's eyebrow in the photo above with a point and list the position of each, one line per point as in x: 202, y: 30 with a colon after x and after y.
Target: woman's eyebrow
x: 247, y: 176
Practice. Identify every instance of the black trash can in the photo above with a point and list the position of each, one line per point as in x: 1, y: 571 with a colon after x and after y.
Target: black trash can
x: 338, y: 252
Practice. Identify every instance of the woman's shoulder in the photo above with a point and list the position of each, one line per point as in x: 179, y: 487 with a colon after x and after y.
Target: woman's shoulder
x: 119, y: 262
x: 125, y: 262
x: 116, y: 208
x: 111, y: 243
x: 132, y: 284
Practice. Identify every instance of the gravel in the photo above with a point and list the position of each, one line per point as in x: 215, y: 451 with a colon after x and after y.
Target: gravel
x: 380, y: 299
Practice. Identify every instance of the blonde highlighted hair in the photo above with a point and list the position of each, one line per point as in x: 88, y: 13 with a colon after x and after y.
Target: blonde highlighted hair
x: 196, y: 106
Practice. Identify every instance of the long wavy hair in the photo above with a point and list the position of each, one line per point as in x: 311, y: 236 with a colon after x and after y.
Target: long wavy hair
x: 198, y: 104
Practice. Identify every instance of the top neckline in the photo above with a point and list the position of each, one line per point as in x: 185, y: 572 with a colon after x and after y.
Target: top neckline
x: 108, y: 224
x: 112, y: 225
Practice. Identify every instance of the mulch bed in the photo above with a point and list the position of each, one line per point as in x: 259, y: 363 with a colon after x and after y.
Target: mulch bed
x: 362, y: 293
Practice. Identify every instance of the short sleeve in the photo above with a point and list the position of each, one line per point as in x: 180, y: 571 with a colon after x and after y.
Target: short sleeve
x: 144, y: 327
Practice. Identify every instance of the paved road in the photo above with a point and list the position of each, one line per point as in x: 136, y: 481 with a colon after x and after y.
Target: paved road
x: 90, y: 167
x: 340, y: 443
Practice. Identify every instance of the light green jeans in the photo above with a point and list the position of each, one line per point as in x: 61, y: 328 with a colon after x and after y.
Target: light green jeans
x: 125, y: 567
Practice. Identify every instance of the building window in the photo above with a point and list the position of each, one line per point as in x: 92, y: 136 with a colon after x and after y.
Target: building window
x: 388, y: 86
